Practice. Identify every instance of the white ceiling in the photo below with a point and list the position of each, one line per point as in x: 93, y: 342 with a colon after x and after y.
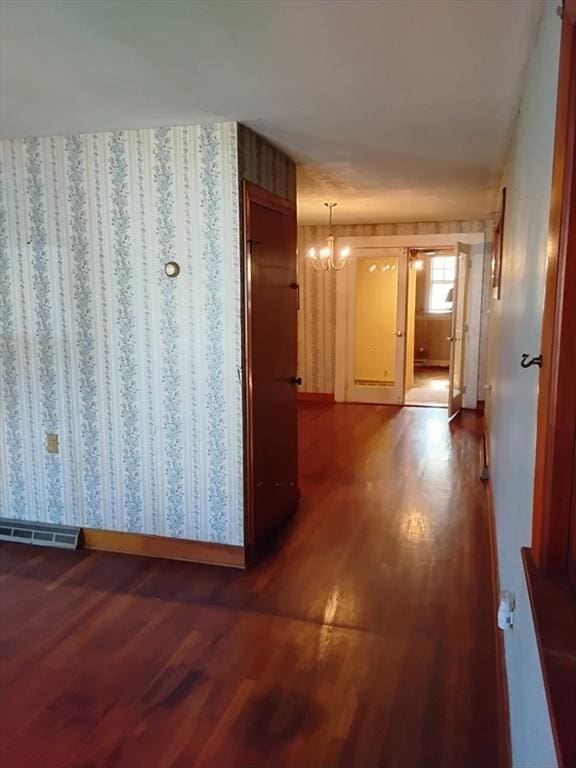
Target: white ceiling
x: 398, y: 109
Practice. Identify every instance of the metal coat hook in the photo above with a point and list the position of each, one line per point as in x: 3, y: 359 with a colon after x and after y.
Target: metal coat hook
x: 527, y: 361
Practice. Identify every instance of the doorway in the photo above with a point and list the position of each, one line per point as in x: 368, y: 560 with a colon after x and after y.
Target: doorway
x: 431, y: 277
x: 408, y: 322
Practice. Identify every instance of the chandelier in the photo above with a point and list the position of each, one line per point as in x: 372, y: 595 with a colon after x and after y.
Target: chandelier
x: 415, y: 260
x: 326, y: 258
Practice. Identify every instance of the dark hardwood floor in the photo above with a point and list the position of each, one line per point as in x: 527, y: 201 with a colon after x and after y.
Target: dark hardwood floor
x: 365, y: 639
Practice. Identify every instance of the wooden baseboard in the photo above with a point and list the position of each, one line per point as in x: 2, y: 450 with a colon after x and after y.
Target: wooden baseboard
x: 316, y: 397
x: 164, y: 546
x: 503, y: 702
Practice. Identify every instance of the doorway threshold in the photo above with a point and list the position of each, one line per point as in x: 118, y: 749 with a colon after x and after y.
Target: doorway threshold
x: 427, y: 396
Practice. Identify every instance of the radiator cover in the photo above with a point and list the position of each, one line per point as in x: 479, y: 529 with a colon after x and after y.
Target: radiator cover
x: 43, y: 534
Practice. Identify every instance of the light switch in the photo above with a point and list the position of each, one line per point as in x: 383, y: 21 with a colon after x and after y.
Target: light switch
x: 52, y: 443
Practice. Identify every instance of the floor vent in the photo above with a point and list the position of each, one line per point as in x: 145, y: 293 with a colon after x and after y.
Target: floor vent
x: 44, y: 534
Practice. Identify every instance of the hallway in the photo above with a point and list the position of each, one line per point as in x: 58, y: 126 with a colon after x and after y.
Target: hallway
x: 366, y: 639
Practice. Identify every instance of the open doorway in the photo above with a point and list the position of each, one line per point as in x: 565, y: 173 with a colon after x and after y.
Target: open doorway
x: 431, y: 278
x: 408, y: 321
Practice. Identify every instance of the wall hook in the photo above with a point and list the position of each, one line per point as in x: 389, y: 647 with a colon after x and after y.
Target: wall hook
x: 527, y: 361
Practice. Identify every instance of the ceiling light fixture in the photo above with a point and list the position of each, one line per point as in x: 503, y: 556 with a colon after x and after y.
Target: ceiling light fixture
x: 325, y: 258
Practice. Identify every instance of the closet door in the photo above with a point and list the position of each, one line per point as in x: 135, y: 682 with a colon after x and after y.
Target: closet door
x: 271, y: 375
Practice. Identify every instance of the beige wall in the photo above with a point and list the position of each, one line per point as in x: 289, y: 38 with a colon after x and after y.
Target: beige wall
x: 410, y: 328
x: 421, y: 283
x: 431, y: 344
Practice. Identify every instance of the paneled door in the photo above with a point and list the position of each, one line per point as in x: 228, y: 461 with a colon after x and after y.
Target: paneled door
x: 457, y: 336
x: 376, y: 325
x: 271, y: 304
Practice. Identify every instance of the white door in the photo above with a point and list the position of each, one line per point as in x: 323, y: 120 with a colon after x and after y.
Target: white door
x: 376, y: 325
x: 457, y: 336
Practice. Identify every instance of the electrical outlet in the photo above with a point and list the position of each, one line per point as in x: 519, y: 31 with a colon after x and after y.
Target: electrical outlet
x: 52, y: 443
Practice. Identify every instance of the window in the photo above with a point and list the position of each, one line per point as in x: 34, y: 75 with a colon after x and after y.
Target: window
x: 442, y: 276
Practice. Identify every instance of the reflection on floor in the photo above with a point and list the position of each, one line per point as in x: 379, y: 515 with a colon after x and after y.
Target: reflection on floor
x: 365, y: 639
x: 430, y: 387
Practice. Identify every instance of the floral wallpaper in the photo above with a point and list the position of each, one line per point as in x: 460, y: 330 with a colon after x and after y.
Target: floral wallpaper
x: 263, y: 164
x: 137, y: 373
x: 317, y: 315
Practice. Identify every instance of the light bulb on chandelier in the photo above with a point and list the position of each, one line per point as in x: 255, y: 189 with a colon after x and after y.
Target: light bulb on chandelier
x: 327, y: 258
x: 415, y: 260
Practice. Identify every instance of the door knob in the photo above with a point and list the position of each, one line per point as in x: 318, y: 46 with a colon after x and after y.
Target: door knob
x: 399, y: 334
x: 450, y: 338
x: 296, y: 380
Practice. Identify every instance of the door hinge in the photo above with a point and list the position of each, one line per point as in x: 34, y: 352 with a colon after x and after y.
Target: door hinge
x: 296, y: 287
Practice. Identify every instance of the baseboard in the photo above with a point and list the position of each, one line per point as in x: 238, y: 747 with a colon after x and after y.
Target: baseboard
x: 316, y: 397
x: 503, y: 702
x: 423, y: 363
x: 164, y: 546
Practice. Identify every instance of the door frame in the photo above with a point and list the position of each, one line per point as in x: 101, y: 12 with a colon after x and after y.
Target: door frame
x: 252, y: 193
x: 476, y: 240
x: 461, y: 250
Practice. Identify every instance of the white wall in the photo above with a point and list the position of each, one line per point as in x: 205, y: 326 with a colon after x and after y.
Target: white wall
x: 138, y: 374
x: 514, y: 328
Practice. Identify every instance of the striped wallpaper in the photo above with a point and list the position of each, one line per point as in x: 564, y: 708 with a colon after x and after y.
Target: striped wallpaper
x: 263, y: 164
x: 317, y: 315
x: 137, y: 373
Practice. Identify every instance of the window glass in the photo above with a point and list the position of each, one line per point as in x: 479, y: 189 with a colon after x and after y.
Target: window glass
x: 442, y: 276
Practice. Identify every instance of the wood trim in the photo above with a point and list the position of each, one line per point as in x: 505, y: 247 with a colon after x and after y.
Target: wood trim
x: 552, y: 604
x: 164, y: 546
x: 316, y: 397
x: 556, y: 419
x: 255, y: 194
x: 503, y: 700
x: 498, y: 249
x: 252, y: 193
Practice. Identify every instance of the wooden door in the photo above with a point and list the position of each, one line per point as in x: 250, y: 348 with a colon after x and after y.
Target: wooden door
x: 457, y: 336
x: 271, y: 344
x: 554, y: 519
